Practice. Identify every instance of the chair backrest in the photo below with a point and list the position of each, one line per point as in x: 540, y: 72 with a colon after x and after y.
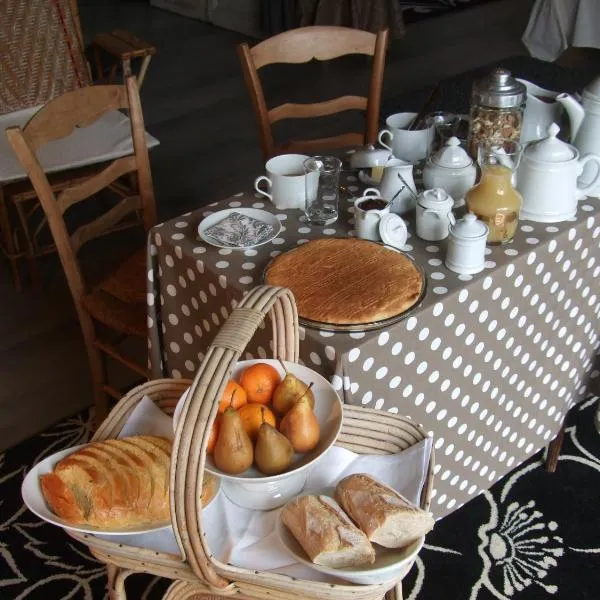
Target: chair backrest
x: 41, y: 52
x: 300, y: 46
x: 56, y: 120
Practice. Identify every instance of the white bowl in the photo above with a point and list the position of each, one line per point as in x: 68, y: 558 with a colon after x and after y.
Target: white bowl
x: 391, y: 564
x: 252, y: 489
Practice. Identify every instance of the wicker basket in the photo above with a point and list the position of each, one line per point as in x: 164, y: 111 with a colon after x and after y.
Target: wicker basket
x: 196, y: 572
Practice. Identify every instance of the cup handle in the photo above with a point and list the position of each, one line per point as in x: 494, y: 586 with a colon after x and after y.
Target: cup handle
x: 582, y: 191
x: 381, y: 134
x: 260, y: 179
x: 372, y: 192
x: 451, y: 218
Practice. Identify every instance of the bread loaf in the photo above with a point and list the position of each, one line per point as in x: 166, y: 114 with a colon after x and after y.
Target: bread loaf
x: 325, y: 533
x: 387, y: 518
x: 112, y: 484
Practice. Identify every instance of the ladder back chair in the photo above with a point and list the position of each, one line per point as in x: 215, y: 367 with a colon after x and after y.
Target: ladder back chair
x: 301, y: 46
x: 42, y: 56
x: 118, y: 303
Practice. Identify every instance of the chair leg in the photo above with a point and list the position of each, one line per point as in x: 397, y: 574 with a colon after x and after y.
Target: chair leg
x: 8, y: 242
x: 97, y: 367
x: 30, y: 256
x: 554, y: 448
x: 116, y: 582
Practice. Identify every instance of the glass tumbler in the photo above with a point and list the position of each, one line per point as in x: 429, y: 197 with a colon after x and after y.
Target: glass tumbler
x: 322, y: 189
x: 445, y: 125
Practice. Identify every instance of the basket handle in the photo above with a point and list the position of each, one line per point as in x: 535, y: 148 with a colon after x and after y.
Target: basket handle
x: 200, y: 409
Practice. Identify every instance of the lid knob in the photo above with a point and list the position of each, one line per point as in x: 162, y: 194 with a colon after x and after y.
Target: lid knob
x: 470, y: 218
x: 553, y: 130
x: 453, y: 141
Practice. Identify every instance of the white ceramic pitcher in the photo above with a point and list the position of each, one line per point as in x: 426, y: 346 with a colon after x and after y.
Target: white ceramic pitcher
x: 401, y: 193
x: 541, y: 110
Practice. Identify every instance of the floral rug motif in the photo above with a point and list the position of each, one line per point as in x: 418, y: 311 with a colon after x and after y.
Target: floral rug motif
x: 532, y: 536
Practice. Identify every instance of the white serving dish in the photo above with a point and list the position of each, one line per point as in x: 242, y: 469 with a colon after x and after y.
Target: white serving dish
x: 31, y: 491
x: 256, y: 213
x: 390, y: 563
x: 252, y: 489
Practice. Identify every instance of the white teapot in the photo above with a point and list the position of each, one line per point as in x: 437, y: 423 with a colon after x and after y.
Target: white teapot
x: 585, y: 124
x: 547, y: 179
x: 452, y: 170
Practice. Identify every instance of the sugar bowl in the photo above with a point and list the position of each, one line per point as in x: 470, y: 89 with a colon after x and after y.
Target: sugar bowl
x: 451, y: 169
x: 466, y: 245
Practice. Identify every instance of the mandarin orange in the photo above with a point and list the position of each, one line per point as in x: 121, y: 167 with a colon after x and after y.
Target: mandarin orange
x: 260, y: 381
x: 234, y: 396
x: 252, y: 417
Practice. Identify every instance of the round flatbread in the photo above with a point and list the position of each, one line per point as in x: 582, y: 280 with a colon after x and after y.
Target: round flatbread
x: 347, y: 281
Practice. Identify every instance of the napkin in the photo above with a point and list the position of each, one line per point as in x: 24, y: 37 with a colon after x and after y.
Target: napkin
x: 239, y: 230
x: 247, y: 538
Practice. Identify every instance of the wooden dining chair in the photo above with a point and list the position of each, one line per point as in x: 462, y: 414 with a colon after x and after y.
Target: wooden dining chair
x: 43, y: 56
x: 118, y: 302
x: 300, y: 46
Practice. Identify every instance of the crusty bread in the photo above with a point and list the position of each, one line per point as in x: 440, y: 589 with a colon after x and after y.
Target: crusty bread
x: 325, y: 533
x: 387, y: 518
x: 112, y: 484
x: 347, y: 281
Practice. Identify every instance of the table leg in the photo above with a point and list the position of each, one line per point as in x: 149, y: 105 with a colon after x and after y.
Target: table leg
x: 554, y: 448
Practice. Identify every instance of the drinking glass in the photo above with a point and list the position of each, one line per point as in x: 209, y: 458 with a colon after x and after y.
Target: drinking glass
x: 445, y: 125
x: 322, y: 189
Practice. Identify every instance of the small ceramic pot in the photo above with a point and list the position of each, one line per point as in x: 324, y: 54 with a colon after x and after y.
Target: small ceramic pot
x: 466, y: 246
x: 434, y: 214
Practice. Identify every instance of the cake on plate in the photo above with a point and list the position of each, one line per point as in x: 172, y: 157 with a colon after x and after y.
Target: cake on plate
x: 346, y: 281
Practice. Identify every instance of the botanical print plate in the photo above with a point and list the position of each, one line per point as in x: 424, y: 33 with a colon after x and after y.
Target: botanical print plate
x: 239, y: 228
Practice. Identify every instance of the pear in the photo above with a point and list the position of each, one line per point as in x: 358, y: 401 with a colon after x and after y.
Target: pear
x: 233, y: 452
x: 300, y: 426
x: 289, y: 391
x: 273, y: 452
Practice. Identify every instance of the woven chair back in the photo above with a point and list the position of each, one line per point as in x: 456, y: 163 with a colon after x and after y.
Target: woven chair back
x: 41, y: 52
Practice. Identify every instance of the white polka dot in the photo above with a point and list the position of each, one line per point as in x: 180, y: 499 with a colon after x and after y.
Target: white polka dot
x: 174, y: 347
x: 353, y: 354
x: 437, y: 276
x: 409, y: 358
x: 437, y: 309
x: 150, y: 299
x: 277, y: 241
x: 395, y: 382
x: 171, y: 290
x: 432, y: 248
x: 246, y: 279
x: 368, y: 363
x: 336, y: 382
x: 381, y: 373
x: 248, y: 266
x: 367, y: 397
x: 435, y: 262
x: 411, y: 323
x: 440, y: 290
x: 532, y: 241
x: 383, y: 338
x: 396, y: 348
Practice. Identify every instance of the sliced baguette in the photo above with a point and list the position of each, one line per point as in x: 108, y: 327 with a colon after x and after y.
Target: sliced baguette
x: 112, y: 484
x: 386, y: 517
x: 325, y: 533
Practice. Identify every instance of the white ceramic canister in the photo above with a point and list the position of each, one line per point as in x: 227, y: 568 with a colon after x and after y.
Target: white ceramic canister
x: 451, y: 169
x: 466, y: 246
x: 434, y: 214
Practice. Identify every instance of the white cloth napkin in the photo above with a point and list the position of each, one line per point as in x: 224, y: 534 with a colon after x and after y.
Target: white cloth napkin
x: 247, y: 538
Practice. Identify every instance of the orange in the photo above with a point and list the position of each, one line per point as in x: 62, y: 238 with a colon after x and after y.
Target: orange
x: 260, y: 381
x: 234, y: 396
x: 252, y: 417
x: 214, y: 434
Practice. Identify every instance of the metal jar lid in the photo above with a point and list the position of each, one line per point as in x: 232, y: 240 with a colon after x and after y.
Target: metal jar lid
x: 499, y: 90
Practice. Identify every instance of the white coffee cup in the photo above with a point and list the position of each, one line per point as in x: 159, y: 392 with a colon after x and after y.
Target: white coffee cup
x: 410, y: 146
x: 285, y: 179
x: 366, y: 220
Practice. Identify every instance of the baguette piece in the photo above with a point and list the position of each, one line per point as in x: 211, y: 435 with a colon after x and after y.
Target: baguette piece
x: 325, y: 533
x: 387, y: 518
x: 112, y: 484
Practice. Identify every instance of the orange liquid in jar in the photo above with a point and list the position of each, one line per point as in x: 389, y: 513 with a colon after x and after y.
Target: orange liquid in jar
x: 496, y: 202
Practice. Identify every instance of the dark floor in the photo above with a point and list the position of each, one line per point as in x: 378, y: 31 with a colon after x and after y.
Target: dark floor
x: 196, y: 104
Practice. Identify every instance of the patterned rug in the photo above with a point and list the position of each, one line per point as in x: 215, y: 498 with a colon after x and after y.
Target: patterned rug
x: 533, y: 536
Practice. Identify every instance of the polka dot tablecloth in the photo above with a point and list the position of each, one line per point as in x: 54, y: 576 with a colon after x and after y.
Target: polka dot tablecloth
x: 489, y: 363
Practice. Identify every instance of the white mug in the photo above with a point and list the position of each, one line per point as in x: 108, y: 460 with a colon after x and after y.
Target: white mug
x: 412, y: 145
x: 366, y: 220
x: 285, y: 180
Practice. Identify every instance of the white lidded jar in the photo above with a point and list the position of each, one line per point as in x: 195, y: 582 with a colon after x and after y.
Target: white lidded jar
x: 451, y: 169
x: 434, y: 214
x: 466, y: 246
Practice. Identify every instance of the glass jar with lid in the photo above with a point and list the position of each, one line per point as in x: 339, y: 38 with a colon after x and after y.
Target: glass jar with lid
x: 497, y: 104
